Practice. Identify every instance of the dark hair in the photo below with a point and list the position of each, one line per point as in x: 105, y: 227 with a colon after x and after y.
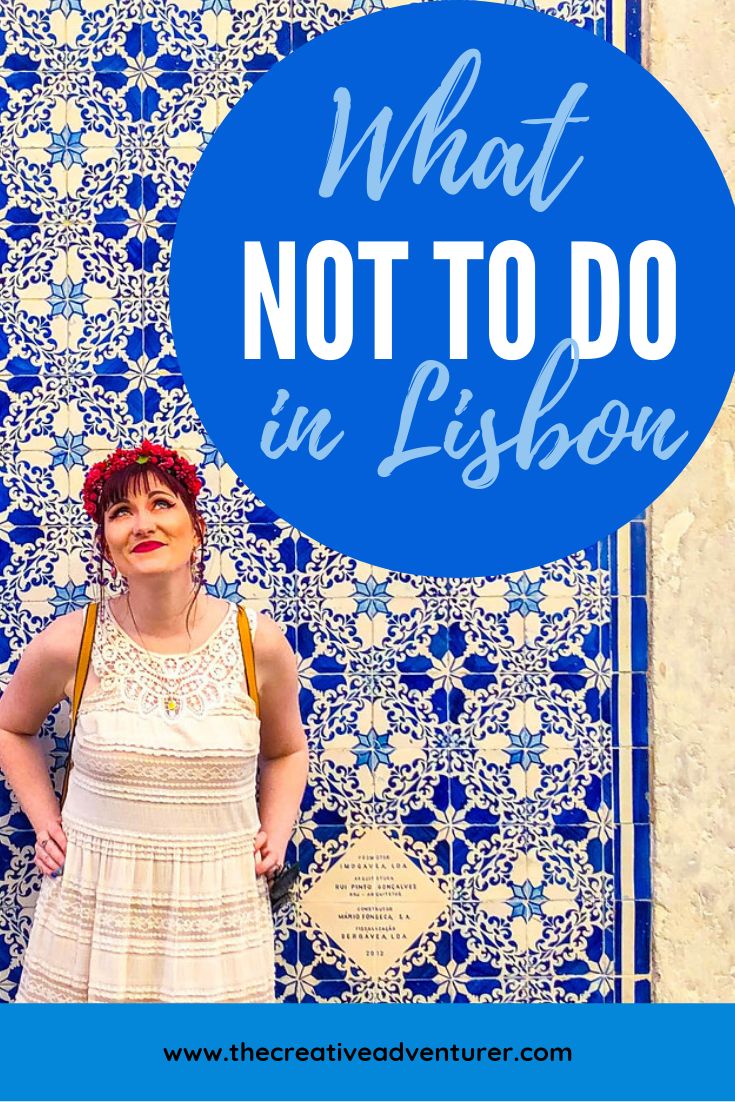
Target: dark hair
x: 134, y: 478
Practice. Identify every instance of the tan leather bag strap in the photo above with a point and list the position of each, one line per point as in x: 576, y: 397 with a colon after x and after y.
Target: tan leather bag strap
x: 248, y: 655
x: 80, y: 680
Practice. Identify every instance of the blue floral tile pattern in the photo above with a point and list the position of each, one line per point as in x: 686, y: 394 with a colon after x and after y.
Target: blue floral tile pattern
x: 489, y: 732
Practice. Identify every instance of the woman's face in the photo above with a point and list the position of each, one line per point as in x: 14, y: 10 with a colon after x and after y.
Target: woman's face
x: 150, y: 532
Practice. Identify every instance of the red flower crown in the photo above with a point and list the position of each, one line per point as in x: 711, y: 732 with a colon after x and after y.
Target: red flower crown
x: 160, y: 456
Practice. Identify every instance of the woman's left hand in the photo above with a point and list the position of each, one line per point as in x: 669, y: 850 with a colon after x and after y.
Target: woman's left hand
x: 267, y: 860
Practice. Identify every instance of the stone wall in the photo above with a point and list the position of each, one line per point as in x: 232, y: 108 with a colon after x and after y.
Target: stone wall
x: 691, y: 49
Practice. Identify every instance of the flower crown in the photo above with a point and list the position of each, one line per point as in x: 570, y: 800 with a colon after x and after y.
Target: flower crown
x: 160, y: 456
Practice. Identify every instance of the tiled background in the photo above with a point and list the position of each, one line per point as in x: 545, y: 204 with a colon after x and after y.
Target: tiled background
x: 493, y: 730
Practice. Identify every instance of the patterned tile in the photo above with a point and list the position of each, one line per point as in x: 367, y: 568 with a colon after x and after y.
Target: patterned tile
x: 487, y: 735
x: 236, y: 34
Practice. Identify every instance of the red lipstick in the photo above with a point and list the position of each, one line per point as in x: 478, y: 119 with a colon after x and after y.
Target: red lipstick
x: 148, y: 545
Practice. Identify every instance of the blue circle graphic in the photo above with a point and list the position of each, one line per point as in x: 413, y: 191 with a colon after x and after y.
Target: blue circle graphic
x: 451, y: 288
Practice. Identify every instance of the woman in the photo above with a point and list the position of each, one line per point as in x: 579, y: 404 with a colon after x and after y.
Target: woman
x: 156, y: 872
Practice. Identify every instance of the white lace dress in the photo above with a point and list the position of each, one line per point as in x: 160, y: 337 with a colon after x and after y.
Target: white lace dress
x: 158, y: 901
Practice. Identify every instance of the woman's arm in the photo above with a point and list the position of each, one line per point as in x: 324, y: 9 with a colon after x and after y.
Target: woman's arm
x: 283, y: 750
x: 36, y: 687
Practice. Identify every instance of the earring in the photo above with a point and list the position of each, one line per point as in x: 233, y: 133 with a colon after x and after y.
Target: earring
x: 197, y: 566
x: 102, y: 591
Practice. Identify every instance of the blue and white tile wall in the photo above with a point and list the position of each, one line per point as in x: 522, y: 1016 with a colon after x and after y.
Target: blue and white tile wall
x: 493, y: 729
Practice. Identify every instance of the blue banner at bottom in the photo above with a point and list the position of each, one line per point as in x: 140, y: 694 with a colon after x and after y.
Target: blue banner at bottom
x: 367, y: 1052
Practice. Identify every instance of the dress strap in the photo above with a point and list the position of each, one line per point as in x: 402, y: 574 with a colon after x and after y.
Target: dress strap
x: 248, y: 655
x: 80, y: 680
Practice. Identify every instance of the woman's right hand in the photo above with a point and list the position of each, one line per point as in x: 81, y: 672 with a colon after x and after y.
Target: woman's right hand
x: 51, y: 848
